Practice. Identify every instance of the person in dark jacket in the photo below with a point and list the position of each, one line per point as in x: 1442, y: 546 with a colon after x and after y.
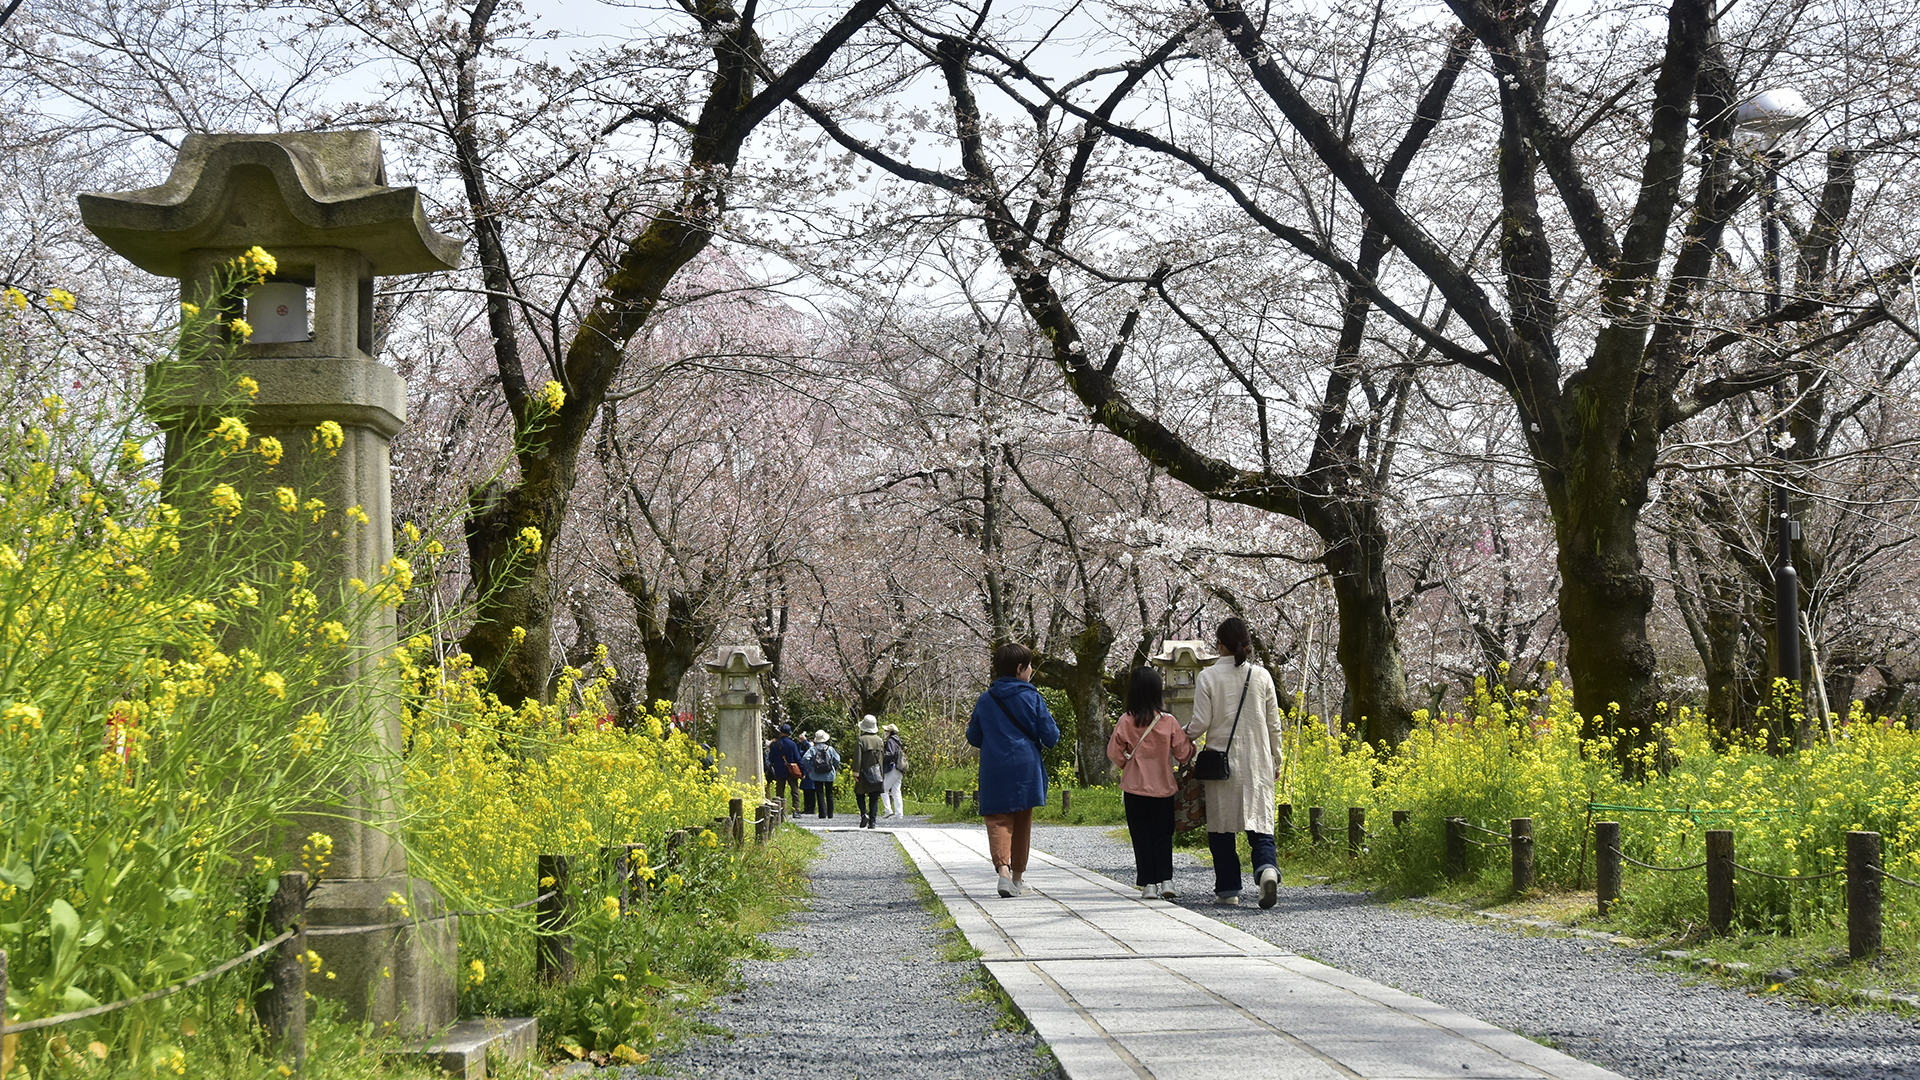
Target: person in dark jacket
x: 823, y: 764
x: 1011, y: 726
x: 782, y: 753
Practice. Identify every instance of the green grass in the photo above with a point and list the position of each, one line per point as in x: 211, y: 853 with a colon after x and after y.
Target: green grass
x: 1082, y: 806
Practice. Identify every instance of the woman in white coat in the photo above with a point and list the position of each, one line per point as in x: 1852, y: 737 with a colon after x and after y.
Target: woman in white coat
x: 1237, y: 710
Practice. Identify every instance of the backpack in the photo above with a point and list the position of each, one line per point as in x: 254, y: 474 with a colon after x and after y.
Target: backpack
x: 820, y: 758
x: 896, y: 757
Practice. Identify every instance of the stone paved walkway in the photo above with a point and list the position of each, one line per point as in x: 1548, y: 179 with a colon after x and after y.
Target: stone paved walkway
x: 1130, y: 990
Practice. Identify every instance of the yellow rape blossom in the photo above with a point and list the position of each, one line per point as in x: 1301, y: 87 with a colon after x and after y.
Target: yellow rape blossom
x: 231, y: 431
x: 529, y: 540
x: 240, y: 327
x: 269, y: 449
x: 60, y: 298
x: 224, y: 497
x: 329, y: 437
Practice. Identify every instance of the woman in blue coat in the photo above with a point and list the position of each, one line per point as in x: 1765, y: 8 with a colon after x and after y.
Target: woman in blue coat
x: 1011, y: 726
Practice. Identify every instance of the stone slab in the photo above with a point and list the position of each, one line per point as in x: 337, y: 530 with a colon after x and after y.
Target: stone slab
x: 462, y: 1050
x: 1122, y: 988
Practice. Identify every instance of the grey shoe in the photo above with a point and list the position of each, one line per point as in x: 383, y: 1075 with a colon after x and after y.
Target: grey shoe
x: 1006, y: 885
x: 1269, y: 886
x: 1229, y: 900
x: 1149, y: 892
x: 1166, y: 891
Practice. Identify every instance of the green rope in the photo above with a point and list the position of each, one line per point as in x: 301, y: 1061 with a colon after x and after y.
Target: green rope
x: 1695, y: 814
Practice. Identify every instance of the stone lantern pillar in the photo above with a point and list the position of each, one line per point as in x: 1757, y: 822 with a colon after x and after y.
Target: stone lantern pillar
x: 318, y: 202
x: 737, y: 704
x: 1180, y: 663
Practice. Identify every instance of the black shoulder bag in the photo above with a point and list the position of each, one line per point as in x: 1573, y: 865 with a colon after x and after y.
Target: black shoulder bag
x: 1211, y: 764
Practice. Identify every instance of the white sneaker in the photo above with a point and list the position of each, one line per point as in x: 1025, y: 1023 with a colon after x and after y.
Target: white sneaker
x: 1007, y: 886
x: 1149, y: 892
x: 1269, y: 886
x: 1166, y: 891
x: 1021, y: 888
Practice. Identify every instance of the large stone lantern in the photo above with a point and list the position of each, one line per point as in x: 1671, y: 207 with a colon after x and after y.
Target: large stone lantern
x: 1180, y: 663
x: 736, y: 701
x: 318, y: 202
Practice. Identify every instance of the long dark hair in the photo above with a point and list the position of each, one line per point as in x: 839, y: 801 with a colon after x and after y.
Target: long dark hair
x: 1144, y: 700
x: 1234, y: 638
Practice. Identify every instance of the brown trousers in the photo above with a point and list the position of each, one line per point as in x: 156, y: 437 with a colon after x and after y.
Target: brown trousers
x: 1009, y: 837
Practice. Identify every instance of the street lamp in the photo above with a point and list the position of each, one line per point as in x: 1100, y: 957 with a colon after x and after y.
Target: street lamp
x: 1763, y: 122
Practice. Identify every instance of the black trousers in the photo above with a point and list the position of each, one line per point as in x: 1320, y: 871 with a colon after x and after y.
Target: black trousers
x: 1150, y: 823
x: 810, y: 797
x: 823, y: 797
x: 788, y: 788
x: 869, y: 804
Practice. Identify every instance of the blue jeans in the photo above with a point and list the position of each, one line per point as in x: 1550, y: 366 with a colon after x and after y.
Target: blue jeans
x: 1226, y: 859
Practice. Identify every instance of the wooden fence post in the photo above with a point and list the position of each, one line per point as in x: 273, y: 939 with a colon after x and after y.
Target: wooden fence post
x: 1720, y: 880
x: 737, y: 821
x: 1401, y: 817
x: 1456, y: 847
x: 1283, y: 822
x: 763, y: 823
x: 1863, y: 894
x: 553, y: 950
x: 1066, y: 801
x: 1356, y: 830
x: 283, y: 1004
x: 1606, y: 864
x: 1520, y: 838
x: 1315, y: 823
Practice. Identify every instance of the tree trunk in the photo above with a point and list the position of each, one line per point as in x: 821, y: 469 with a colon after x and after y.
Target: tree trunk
x: 1605, y: 594
x: 1369, y: 645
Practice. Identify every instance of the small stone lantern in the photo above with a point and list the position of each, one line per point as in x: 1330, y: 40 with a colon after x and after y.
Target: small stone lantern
x: 318, y: 202
x: 1180, y: 663
x: 736, y: 701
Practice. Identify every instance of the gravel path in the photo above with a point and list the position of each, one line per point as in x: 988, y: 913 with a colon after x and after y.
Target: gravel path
x: 864, y: 994
x: 1599, y: 1002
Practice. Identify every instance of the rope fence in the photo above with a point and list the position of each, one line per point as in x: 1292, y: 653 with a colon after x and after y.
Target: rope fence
x: 1862, y: 869
x: 284, y: 1005
x: 1661, y: 869
x: 343, y: 931
x: 151, y: 995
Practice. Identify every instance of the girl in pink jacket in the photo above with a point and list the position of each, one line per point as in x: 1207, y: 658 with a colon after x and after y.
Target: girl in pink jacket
x: 1145, y: 743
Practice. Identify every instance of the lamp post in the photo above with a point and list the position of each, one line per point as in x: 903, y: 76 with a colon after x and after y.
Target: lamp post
x: 1763, y: 122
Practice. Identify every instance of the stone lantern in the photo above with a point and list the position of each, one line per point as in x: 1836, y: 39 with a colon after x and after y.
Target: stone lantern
x: 736, y: 701
x: 1180, y: 663
x: 318, y: 202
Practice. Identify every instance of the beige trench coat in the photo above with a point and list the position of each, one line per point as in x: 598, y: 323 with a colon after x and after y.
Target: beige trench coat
x: 1244, y: 801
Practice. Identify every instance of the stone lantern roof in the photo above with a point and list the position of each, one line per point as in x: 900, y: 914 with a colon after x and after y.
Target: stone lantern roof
x: 739, y: 660
x: 294, y: 190
x: 1185, y: 653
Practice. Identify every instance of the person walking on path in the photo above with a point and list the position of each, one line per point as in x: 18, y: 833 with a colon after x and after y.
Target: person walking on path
x: 1145, y: 743
x: 1236, y: 710
x: 893, y: 769
x: 868, y: 753
x: 823, y: 761
x: 783, y: 768
x: 1012, y: 727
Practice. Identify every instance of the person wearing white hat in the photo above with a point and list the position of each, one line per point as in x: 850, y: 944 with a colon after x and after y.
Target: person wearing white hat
x: 866, y: 783
x: 893, y: 769
x: 823, y: 763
